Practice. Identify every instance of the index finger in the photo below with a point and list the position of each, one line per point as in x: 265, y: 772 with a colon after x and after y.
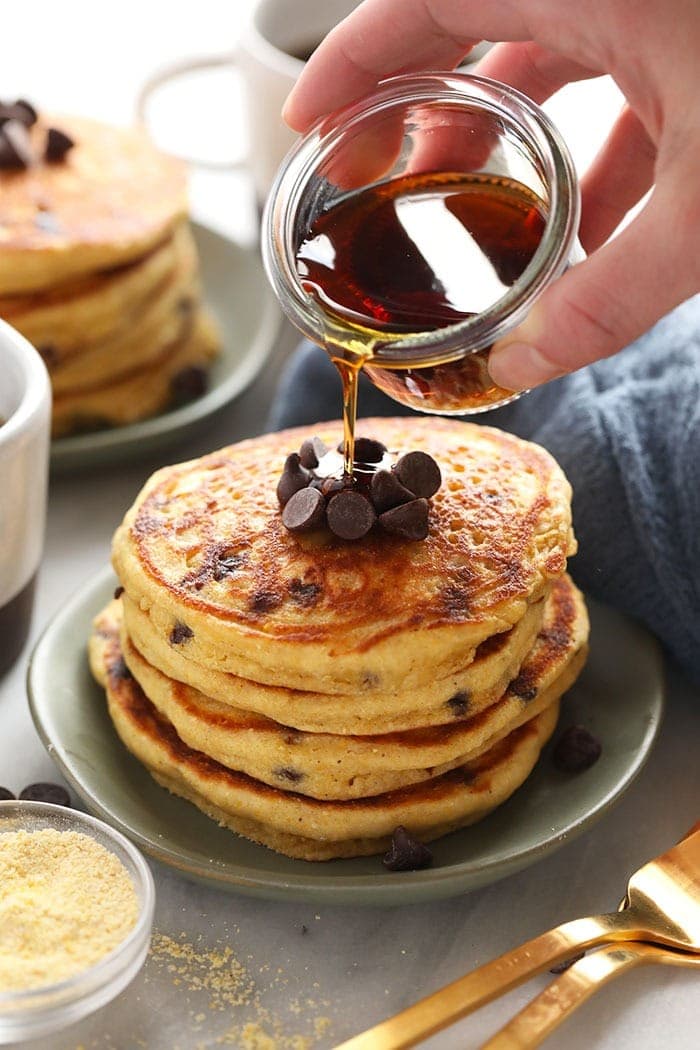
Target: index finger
x: 384, y: 37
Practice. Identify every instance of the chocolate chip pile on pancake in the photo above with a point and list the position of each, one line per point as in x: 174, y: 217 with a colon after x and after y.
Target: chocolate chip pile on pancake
x: 314, y: 693
x: 98, y: 268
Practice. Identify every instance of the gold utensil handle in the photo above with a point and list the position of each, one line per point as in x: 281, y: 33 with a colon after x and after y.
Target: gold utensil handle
x: 479, y: 987
x: 550, y: 1008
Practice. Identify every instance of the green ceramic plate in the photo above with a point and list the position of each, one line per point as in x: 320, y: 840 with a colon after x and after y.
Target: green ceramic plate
x: 619, y: 697
x: 239, y: 296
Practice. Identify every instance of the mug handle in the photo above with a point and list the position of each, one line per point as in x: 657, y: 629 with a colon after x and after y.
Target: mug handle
x: 172, y: 72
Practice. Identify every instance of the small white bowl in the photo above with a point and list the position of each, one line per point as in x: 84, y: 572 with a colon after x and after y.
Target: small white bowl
x: 41, y: 1011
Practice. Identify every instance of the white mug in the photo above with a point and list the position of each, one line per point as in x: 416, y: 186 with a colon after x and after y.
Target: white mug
x: 276, y: 39
x: 25, y: 417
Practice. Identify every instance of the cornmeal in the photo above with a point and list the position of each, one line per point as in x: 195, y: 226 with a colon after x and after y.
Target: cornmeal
x: 65, y: 903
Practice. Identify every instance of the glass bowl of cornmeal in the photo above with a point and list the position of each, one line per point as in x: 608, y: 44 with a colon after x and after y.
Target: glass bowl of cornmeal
x: 76, y: 912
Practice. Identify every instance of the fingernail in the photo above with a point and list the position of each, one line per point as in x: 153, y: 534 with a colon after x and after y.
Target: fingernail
x: 519, y: 366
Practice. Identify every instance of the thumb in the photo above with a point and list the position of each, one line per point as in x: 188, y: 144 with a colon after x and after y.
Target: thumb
x: 602, y: 304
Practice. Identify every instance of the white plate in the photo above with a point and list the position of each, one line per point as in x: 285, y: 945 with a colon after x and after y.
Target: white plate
x: 237, y: 292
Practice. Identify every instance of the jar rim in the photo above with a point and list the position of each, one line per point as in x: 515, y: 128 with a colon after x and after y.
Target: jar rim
x: 480, y: 330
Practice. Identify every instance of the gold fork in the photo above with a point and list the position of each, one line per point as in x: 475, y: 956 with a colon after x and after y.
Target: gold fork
x: 663, y: 906
x: 561, y: 997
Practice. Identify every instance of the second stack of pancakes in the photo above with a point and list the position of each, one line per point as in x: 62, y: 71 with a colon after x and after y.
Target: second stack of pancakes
x: 99, y: 270
x: 313, y: 694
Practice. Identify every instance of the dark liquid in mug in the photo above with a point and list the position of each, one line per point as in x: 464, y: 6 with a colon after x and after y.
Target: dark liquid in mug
x: 412, y: 255
x: 15, y: 620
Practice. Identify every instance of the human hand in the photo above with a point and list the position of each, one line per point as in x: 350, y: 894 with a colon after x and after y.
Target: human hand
x: 650, y: 48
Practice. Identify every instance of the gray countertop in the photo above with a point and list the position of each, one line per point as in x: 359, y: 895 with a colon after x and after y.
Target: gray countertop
x: 304, y: 975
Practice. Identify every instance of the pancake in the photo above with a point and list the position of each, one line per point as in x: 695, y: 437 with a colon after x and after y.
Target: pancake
x: 112, y: 199
x: 308, y: 828
x: 443, y: 700
x: 75, y: 317
x: 136, y: 345
x: 142, y: 392
x: 204, y: 548
x: 326, y: 766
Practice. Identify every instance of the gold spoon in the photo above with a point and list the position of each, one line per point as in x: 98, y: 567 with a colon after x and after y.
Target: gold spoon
x: 663, y: 906
x: 543, y: 1014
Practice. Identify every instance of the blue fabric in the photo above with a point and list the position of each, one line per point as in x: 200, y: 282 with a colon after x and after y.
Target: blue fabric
x: 627, y: 433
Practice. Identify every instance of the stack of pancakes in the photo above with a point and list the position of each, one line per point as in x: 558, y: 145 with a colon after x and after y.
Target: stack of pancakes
x: 314, y: 694
x: 98, y: 269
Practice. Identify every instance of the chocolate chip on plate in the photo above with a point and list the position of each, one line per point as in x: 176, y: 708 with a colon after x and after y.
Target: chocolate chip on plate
x: 293, y: 478
x: 53, y: 793
x: 410, y: 520
x: 386, y: 491
x: 350, y: 515
x: 188, y: 383
x: 576, y: 750
x: 304, y: 510
x: 419, y: 473
x: 367, y: 450
x: 6, y: 795
x: 15, y: 146
x: 406, y: 853
x: 57, y: 145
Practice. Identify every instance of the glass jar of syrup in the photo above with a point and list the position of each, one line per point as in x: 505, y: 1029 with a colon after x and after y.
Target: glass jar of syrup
x: 410, y: 230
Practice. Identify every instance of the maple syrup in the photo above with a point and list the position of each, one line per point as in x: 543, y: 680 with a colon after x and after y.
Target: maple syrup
x: 412, y: 255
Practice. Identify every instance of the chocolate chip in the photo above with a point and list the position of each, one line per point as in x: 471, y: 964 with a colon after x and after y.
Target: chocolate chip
x: 25, y: 112
x: 406, y: 853
x: 189, y: 383
x: 367, y: 450
x: 329, y: 486
x: 563, y: 966
x: 180, y: 633
x: 6, y: 795
x: 53, y: 793
x: 304, y: 593
x: 20, y: 110
x: 386, y: 491
x: 227, y: 565
x: 419, y: 473
x: 120, y: 670
x: 307, y: 455
x: 312, y: 452
x: 522, y: 688
x: 57, y: 145
x: 292, y: 775
x: 264, y: 601
x: 576, y: 750
x: 459, y: 703
x: 293, y: 479
x: 304, y: 510
x: 350, y: 515
x: 15, y: 146
x: 118, y: 591
x: 410, y: 520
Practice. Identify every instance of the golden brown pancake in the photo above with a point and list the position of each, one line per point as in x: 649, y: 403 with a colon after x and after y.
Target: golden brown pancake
x: 309, y: 828
x: 324, y: 765
x: 143, y: 391
x: 204, y: 553
x: 112, y: 199
x: 94, y: 311
x: 443, y: 700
